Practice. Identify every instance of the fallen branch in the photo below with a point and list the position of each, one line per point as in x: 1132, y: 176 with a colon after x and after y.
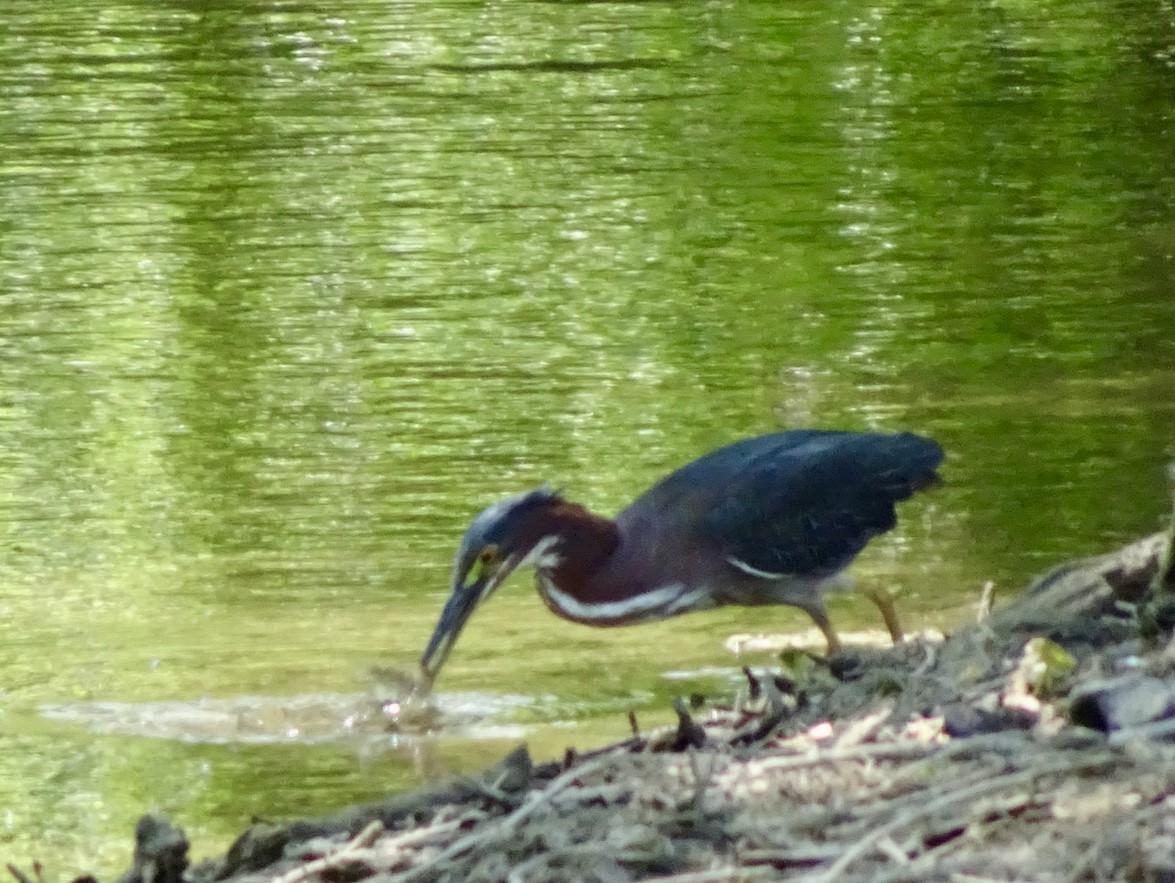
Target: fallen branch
x: 336, y: 861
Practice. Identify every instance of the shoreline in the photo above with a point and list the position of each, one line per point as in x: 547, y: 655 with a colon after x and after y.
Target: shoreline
x: 1035, y: 744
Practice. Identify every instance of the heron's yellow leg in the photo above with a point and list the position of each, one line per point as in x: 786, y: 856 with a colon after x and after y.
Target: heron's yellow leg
x: 820, y: 617
x: 884, y: 601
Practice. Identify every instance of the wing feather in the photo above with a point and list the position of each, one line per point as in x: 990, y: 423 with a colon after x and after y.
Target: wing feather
x: 809, y: 503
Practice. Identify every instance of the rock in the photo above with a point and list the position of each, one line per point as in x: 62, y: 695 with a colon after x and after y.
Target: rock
x: 1122, y: 703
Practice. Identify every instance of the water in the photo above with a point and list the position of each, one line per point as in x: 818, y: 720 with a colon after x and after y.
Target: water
x: 288, y: 294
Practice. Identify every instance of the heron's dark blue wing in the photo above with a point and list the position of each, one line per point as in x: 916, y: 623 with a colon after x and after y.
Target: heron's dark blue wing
x: 810, y: 503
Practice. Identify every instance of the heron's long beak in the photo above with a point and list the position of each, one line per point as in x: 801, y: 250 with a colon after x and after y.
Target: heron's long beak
x: 458, y: 609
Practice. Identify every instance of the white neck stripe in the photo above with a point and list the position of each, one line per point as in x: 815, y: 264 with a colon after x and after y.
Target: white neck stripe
x: 543, y: 555
x: 753, y: 571
x: 665, y: 601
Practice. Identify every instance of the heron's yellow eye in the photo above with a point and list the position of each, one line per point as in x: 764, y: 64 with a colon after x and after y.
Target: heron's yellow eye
x: 488, y: 557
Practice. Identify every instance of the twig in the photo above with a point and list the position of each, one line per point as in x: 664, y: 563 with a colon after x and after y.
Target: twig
x: 769, y: 719
x: 715, y: 875
x: 1152, y: 730
x: 345, y: 855
x: 863, y: 728
x: 606, y: 795
x: 428, y: 832
x: 494, y: 792
x: 888, y: 808
x: 794, y: 856
x: 701, y: 779
x: 986, y: 596
x: 1085, y: 863
x: 1164, y: 578
x: 689, y: 734
x: 896, y: 854
x: 929, y: 660
x: 511, y: 823
x: 877, y: 751
x: 753, y: 686
x: 903, y: 820
x: 923, y: 866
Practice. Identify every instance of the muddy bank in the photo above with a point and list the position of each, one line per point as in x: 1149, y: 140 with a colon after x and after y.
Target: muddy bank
x: 1036, y: 744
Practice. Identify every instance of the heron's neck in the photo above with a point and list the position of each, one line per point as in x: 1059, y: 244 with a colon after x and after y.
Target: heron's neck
x: 593, y: 572
x: 581, y: 541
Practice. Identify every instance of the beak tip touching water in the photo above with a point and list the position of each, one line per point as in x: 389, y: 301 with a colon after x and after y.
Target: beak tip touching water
x: 463, y: 600
x: 458, y: 608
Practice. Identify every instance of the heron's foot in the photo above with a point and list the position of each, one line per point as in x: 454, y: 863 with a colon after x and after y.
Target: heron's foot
x: 846, y: 665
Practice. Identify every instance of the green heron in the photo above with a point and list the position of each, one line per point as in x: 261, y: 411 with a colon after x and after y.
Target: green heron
x: 767, y: 520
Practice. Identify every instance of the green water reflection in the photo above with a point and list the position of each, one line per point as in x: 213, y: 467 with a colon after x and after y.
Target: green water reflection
x: 287, y: 294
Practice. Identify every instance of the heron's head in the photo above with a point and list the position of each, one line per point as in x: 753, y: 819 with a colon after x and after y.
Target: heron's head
x: 501, y: 538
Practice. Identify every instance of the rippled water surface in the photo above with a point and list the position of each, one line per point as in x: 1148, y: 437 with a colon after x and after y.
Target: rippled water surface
x: 288, y: 292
